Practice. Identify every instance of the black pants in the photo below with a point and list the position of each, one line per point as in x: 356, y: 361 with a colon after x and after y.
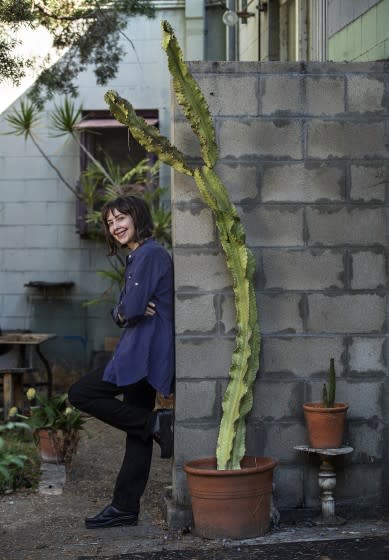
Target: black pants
x: 134, y: 416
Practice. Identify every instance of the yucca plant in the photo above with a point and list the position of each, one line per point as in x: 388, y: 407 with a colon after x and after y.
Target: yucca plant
x: 238, y: 398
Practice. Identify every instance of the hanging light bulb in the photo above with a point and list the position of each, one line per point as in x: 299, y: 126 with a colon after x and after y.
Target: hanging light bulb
x: 230, y: 18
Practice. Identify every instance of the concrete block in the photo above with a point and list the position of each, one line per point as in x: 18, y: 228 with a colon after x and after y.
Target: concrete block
x: 301, y: 356
x: 280, y: 439
x: 47, y: 190
x: 358, y: 313
x: 368, y: 270
x: 12, y: 236
x: 365, y: 94
x: 365, y: 399
x: 196, y: 400
x: 184, y: 188
x: 303, y: 270
x: 28, y: 213
x: 15, y: 306
x: 260, y: 138
x: 363, y: 481
x: 343, y: 226
x: 193, y: 227
x: 12, y: 283
x: 367, y: 439
x: 302, y: 182
x: 268, y: 226
x: 195, y: 314
x: 325, y: 95
x: 188, y: 441
x: 288, y: 486
x: 68, y: 237
x: 227, y: 315
x: 201, y: 271
x: 367, y: 354
x: 277, y: 400
x: 44, y: 236
x: 230, y: 95
x: 203, y: 357
x: 240, y: 180
x: 368, y: 183
x: 12, y: 191
x: 280, y: 313
x: 186, y: 140
x: 281, y: 94
x: 336, y: 139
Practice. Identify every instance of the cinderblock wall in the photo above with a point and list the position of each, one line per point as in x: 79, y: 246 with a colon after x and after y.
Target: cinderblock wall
x: 303, y: 152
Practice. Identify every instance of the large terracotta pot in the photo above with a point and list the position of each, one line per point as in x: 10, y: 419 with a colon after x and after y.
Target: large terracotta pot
x: 232, y: 504
x: 325, y: 425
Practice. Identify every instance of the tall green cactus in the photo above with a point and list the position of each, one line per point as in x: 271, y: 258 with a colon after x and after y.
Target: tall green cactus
x: 238, y: 398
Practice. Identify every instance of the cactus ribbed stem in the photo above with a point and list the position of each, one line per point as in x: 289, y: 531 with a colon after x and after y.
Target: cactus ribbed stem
x: 238, y: 398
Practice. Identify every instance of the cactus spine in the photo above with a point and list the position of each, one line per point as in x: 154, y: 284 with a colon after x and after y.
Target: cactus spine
x: 329, y: 392
x: 238, y: 398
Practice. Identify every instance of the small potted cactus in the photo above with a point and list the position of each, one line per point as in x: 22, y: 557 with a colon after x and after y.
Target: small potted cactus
x: 325, y: 420
x: 230, y: 492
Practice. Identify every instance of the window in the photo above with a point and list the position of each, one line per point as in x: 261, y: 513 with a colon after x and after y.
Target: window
x: 113, y: 146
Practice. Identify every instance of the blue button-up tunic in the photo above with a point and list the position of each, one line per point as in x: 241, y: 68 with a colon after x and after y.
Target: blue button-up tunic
x: 146, y: 347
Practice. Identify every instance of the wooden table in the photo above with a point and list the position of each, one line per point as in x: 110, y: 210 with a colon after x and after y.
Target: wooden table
x: 13, y: 376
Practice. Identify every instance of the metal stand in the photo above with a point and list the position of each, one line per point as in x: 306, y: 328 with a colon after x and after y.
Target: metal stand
x: 327, y: 482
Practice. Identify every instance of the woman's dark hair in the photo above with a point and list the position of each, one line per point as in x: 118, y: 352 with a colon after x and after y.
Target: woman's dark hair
x: 139, y: 211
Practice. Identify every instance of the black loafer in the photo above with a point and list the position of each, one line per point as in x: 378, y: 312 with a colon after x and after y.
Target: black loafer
x: 164, y: 435
x: 111, y: 517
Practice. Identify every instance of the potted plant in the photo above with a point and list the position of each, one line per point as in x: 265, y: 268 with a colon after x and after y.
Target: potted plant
x: 325, y: 420
x: 56, y: 426
x: 231, y: 493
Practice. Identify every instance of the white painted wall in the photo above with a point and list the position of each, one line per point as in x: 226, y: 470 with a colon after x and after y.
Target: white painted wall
x: 38, y: 240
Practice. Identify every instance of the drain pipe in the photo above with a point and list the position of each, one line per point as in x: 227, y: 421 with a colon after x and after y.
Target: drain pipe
x: 231, y: 34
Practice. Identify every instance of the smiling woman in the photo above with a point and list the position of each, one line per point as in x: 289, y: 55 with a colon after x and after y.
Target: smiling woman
x: 143, y: 361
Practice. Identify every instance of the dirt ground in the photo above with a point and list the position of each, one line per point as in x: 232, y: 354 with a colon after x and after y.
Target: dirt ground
x: 35, y: 526
x: 51, y: 527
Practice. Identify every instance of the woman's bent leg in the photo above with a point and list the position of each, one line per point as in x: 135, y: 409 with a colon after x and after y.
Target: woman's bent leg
x: 134, y: 415
x: 98, y: 398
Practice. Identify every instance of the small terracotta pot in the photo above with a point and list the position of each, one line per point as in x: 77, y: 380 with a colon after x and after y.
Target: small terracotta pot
x: 325, y: 425
x: 50, y: 445
x: 233, y: 504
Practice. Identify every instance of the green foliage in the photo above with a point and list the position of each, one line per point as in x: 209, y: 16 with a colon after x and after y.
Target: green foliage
x: 190, y: 97
x: 83, y: 32
x: 53, y: 413
x: 18, y: 457
x: 23, y: 120
x: 238, y: 399
x: 329, y: 393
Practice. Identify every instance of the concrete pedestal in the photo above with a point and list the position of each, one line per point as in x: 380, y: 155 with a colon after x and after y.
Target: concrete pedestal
x: 327, y: 482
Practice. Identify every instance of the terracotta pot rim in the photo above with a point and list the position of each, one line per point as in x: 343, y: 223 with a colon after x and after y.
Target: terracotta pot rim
x: 318, y: 407
x: 207, y: 466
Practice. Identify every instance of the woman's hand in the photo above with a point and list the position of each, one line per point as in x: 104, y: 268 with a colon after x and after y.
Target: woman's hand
x: 150, y: 309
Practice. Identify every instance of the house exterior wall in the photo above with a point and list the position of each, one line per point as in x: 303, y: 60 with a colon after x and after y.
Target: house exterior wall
x: 358, y: 31
x: 38, y: 239
x: 303, y: 152
x: 336, y: 30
